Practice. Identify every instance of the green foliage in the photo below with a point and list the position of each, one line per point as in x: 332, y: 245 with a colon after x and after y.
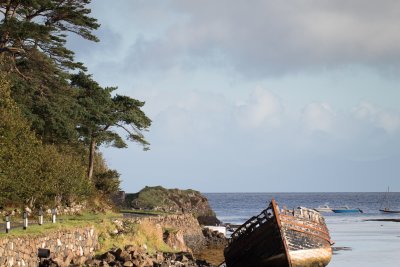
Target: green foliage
x: 107, y: 182
x: 43, y: 25
x: 33, y: 49
x: 46, y: 99
x: 53, y: 121
x: 64, y: 176
x: 19, y: 150
x: 102, y: 113
x: 31, y: 172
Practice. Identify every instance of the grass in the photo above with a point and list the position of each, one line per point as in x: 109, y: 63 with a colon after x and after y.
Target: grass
x: 63, y: 222
x: 137, y: 235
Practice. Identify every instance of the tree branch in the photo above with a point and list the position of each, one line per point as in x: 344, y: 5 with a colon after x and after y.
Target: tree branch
x: 123, y: 127
x: 14, y: 50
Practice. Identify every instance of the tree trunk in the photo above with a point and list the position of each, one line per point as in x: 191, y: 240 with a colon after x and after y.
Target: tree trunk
x: 91, y: 157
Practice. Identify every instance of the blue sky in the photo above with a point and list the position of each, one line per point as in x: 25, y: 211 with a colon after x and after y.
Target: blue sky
x: 276, y: 96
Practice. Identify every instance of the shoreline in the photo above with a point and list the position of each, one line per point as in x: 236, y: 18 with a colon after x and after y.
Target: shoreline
x: 382, y: 220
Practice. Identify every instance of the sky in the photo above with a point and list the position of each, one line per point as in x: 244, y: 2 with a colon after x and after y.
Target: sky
x: 260, y: 96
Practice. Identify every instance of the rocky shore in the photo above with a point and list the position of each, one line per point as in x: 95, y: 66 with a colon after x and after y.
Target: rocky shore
x: 193, y: 245
x: 130, y: 257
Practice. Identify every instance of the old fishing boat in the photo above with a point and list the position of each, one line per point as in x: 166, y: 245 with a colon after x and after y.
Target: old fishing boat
x: 280, y: 238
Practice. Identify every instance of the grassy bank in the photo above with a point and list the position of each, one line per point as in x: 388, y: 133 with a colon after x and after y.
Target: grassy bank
x: 63, y: 222
x: 142, y: 235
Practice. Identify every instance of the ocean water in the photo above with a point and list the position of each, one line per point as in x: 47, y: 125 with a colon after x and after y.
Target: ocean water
x: 367, y: 243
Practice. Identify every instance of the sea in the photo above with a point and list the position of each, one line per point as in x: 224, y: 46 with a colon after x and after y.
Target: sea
x: 359, y: 240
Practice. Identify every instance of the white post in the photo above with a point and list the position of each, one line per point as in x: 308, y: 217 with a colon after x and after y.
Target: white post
x: 25, y: 217
x: 8, y: 224
x: 53, y: 215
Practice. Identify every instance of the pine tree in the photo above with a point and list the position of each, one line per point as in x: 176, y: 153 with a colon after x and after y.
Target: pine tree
x: 103, y: 113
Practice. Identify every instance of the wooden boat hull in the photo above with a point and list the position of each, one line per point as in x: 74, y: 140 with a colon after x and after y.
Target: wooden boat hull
x: 280, y: 239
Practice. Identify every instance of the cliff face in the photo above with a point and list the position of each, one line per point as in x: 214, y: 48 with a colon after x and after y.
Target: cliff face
x: 180, y: 232
x: 174, y: 201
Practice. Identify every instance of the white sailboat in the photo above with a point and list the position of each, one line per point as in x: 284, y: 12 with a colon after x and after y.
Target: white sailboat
x: 385, y: 205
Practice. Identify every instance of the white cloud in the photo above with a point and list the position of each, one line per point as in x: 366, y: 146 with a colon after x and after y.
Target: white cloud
x: 262, y: 109
x: 318, y: 117
x: 188, y: 116
x: 385, y: 119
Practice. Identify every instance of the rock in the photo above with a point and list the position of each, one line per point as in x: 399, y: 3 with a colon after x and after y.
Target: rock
x: 130, y: 248
x: 208, y: 220
x: 159, y: 257
x: 175, y: 240
x: 108, y: 257
x: 214, y: 239
x: 124, y: 256
x: 92, y: 262
x: 173, y: 200
x: 143, y: 259
x: 136, y: 262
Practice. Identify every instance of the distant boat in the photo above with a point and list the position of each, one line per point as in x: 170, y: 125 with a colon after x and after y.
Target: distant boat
x: 385, y: 205
x: 323, y: 208
x: 346, y: 209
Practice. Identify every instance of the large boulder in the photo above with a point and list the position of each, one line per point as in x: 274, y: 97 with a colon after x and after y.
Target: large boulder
x: 173, y: 201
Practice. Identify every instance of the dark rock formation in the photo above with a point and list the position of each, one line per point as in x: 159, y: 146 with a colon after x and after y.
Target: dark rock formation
x: 214, y: 239
x: 173, y: 201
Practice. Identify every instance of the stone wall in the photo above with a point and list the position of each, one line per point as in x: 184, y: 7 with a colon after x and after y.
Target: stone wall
x: 78, y: 245
x: 75, y: 245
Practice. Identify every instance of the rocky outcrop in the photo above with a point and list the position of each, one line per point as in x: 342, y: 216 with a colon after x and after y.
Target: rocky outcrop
x: 180, y: 232
x: 173, y: 201
x: 172, y: 228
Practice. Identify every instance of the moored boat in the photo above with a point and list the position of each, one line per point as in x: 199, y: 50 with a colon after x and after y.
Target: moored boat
x: 324, y: 208
x: 387, y: 210
x: 385, y: 205
x: 280, y: 238
x: 346, y: 209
